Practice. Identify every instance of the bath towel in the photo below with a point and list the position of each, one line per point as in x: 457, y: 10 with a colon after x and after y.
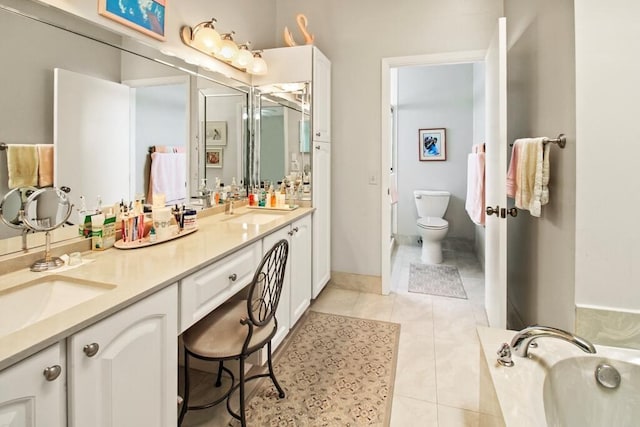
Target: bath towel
x: 528, y: 174
x: 512, y: 172
x: 544, y: 198
x: 168, y: 176
x: 22, y: 165
x: 475, y: 201
x: 45, y: 165
x: 393, y: 188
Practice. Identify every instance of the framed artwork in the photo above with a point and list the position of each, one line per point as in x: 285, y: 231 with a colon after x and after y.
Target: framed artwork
x: 215, y: 133
x: 147, y: 16
x: 214, y: 158
x: 432, y: 144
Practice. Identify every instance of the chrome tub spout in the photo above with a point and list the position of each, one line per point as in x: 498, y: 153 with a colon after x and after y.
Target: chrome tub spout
x: 521, y: 341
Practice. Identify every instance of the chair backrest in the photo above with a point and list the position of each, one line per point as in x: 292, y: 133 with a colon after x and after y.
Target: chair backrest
x: 266, y: 287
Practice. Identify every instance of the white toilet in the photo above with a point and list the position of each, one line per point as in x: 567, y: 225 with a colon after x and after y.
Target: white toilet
x: 432, y: 226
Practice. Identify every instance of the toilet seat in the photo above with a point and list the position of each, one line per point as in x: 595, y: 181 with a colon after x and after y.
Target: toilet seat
x: 431, y: 223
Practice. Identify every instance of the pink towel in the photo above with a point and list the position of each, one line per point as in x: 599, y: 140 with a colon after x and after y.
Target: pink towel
x: 475, y: 202
x: 45, y: 165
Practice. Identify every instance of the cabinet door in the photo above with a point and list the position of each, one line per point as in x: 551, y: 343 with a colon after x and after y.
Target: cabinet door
x: 27, y: 398
x: 321, y: 95
x: 321, y: 265
x: 300, y: 263
x: 131, y: 380
x: 282, y: 313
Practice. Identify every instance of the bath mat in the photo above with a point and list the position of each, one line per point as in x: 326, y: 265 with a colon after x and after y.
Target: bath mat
x: 335, y: 371
x: 441, y: 280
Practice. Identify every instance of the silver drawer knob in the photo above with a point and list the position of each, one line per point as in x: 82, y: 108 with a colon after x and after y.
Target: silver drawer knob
x: 233, y: 277
x: 91, y: 349
x: 52, y: 372
x: 318, y: 134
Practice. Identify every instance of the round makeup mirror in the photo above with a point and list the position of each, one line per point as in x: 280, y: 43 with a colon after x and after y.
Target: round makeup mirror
x: 12, y: 206
x: 47, y: 209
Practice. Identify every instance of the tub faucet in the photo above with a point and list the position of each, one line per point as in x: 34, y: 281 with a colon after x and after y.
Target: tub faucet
x: 521, y: 341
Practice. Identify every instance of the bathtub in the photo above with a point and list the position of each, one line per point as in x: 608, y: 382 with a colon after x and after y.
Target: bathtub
x: 556, y: 385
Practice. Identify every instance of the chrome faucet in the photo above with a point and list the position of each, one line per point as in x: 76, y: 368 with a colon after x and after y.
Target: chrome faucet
x: 228, y: 206
x: 521, y: 341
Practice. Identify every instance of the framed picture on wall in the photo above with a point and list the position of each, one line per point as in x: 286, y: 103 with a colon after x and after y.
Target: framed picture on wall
x: 215, y: 133
x: 147, y: 16
x: 432, y: 144
x: 214, y: 158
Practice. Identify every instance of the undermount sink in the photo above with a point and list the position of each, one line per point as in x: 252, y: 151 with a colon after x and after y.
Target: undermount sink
x: 28, y: 303
x: 256, y: 218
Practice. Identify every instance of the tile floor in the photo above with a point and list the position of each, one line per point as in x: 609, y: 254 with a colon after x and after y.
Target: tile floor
x: 437, y: 376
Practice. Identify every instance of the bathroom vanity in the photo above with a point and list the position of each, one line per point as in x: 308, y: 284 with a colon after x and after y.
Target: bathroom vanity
x: 113, y: 359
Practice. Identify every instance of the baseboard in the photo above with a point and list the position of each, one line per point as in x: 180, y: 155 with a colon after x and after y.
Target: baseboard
x: 356, y: 282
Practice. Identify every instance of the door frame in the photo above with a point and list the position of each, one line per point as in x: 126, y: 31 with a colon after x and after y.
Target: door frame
x: 459, y: 57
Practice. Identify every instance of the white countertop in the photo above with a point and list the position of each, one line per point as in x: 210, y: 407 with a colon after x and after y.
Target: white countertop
x: 136, y: 273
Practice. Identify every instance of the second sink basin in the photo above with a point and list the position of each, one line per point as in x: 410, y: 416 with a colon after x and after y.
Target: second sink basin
x: 41, y: 298
x: 256, y: 218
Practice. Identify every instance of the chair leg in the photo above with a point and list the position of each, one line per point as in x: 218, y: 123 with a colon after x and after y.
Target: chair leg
x: 219, y: 378
x: 185, y: 400
x: 271, y: 374
x: 243, y: 417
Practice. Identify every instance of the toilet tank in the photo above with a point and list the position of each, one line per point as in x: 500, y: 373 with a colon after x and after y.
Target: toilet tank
x: 431, y: 202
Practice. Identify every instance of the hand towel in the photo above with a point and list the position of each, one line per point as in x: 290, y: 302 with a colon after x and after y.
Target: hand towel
x: 529, y: 175
x: 22, y: 165
x: 45, y: 165
x: 512, y: 173
x: 544, y: 198
x: 475, y: 201
x: 168, y: 176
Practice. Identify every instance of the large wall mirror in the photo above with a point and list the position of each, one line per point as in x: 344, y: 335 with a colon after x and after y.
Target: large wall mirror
x: 284, y: 134
x: 105, y: 101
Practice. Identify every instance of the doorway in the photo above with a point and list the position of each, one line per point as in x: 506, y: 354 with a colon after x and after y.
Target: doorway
x: 392, y: 169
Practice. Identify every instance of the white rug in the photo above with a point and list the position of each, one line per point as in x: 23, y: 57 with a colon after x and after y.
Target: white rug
x: 441, y: 280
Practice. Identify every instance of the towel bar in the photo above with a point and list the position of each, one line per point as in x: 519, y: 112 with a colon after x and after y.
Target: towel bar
x: 561, y: 141
x: 3, y: 146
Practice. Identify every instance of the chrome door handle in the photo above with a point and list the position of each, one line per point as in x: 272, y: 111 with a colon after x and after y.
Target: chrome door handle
x: 513, y: 212
x: 52, y: 372
x: 318, y: 134
x: 493, y: 211
x: 91, y: 349
x: 290, y: 233
x: 317, y: 147
x: 295, y: 229
x: 233, y: 277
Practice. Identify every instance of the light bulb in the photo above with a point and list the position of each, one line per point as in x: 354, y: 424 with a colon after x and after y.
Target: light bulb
x: 228, y: 48
x: 244, y: 57
x: 206, y: 38
x: 258, y: 66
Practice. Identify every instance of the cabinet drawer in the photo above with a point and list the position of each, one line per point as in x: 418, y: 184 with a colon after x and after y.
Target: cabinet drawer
x: 202, y: 292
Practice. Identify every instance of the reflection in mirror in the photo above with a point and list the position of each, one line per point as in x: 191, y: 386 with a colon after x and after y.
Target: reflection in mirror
x: 103, y: 105
x: 284, y: 133
x: 12, y: 206
x: 224, y: 127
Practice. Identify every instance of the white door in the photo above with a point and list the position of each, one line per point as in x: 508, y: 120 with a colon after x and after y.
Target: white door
x: 496, y: 176
x: 92, y: 123
x: 28, y: 398
x: 300, y: 262
x: 321, y: 265
x: 321, y: 112
x: 123, y: 369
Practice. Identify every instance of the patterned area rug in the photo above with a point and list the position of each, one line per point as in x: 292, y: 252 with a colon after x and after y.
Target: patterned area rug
x: 441, y: 280
x: 335, y: 371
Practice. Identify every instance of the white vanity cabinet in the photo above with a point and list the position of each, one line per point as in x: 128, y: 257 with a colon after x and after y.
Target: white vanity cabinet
x: 122, y: 370
x: 205, y: 290
x: 32, y: 392
x: 283, y: 313
x: 321, y: 97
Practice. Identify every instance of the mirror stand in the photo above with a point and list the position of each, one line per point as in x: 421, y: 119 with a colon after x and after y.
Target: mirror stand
x: 48, y: 262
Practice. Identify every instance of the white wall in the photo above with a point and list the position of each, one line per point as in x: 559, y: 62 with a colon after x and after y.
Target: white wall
x: 438, y: 96
x: 541, y: 102
x: 479, y: 99
x: 607, y: 130
x: 356, y: 35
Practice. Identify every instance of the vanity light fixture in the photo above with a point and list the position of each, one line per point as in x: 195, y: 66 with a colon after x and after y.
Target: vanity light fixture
x: 228, y: 48
x: 259, y: 65
x: 205, y: 39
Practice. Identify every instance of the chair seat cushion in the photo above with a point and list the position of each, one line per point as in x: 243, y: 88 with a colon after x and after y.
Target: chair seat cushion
x: 220, y: 334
